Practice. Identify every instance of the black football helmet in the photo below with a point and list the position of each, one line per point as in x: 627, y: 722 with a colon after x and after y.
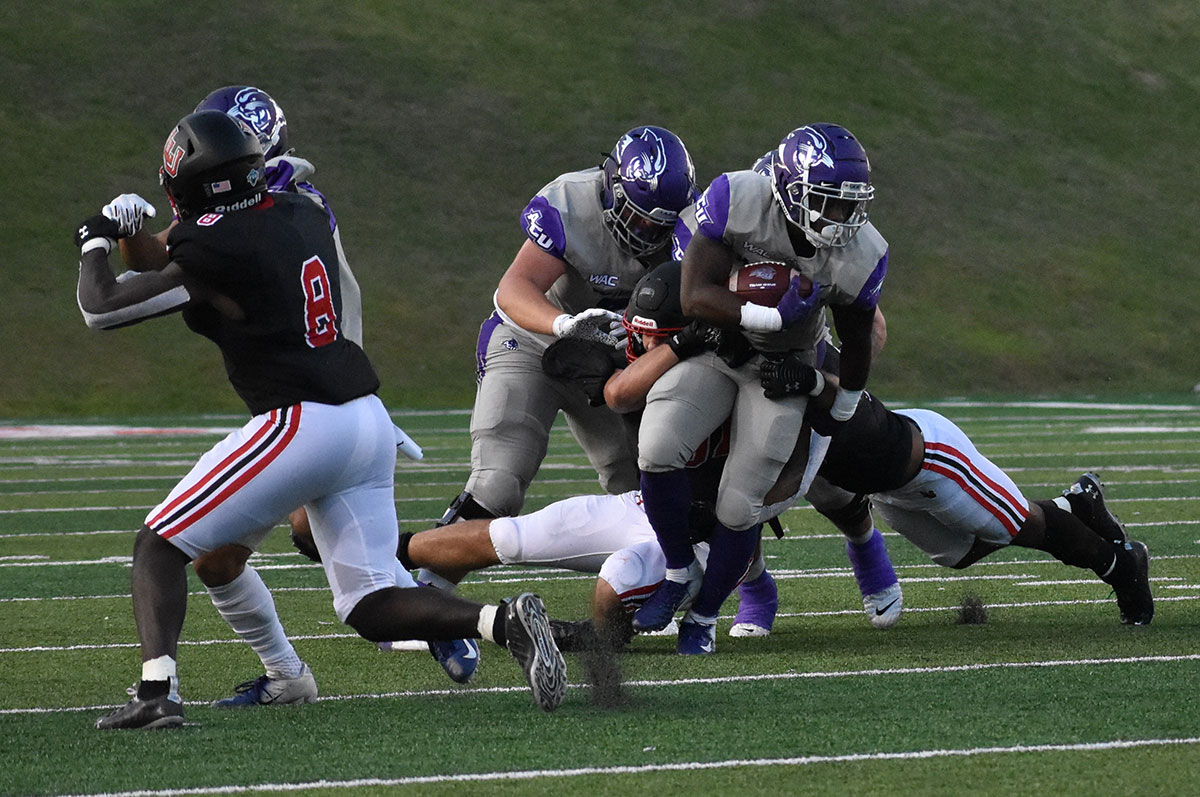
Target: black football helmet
x: 212, y: 162
x: 654, y: 308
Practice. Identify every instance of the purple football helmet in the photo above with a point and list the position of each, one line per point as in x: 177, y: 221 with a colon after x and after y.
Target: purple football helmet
x: 257, y: 109
x: 822, y: 181
x: 648, y: 180
x: 765, y: 165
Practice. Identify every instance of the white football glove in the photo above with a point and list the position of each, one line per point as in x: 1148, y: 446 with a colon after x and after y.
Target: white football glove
x: 129, y: 211
x: 592, y: 324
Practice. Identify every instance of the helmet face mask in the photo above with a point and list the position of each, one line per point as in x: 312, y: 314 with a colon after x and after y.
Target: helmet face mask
x: 821, y: 179
x: 258, y: 110
x: 212, y: 162
x: 648, y: 179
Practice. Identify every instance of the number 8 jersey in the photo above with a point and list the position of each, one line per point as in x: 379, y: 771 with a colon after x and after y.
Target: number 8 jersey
x: 277, y: 263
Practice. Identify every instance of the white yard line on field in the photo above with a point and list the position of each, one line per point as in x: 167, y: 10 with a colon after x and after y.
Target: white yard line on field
x: 640, y: 769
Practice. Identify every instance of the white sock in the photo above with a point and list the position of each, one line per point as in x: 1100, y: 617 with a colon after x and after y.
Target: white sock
x: 680, y: 575
x: 692, y: 617
x: 487, y: 620
x: 247, y: 606
x: 158, y: 669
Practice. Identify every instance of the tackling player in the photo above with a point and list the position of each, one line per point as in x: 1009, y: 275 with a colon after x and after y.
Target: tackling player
x: 810, y: 213
x: 247, y: 269
x: 928, y: 481
x: 591, y: 235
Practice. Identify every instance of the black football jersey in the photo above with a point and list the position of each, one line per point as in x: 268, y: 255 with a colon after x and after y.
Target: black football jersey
x: 277, y: 261
x: 870, y: 455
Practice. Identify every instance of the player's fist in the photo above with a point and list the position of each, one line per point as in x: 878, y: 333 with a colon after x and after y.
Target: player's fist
x: 129, y: 211
x: 796, y: 305
x: 97, y: 227
x: 788, y: 376
x: 693, y: 339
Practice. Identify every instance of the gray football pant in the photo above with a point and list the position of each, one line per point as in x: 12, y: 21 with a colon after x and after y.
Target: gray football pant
x: 515, y: 407
x: 695, y: 397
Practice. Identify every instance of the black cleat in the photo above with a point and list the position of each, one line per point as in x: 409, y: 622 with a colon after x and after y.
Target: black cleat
x: 531, y: 642
x: 165, y: 711
x: 1130, y: 580
x: 1086, y: 497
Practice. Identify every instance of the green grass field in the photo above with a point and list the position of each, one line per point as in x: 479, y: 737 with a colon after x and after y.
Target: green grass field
x: 1032, y: 163
x: 1052, y: 694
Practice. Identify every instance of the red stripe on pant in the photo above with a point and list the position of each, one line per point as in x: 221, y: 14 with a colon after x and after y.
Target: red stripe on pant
x: 1003, y: 494
x: 249, y: 445
x: 257, y: 467
x: 1009, y: 524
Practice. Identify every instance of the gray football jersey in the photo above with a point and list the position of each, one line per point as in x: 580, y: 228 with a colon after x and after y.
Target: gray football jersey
x: 566, y: 220
x: 739, y: 209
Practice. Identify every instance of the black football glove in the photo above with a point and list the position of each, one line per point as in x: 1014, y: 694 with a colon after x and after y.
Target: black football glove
x: 693, y: 339
x: 787, y: 376
x: 585, y: 363
x: 98, y: 226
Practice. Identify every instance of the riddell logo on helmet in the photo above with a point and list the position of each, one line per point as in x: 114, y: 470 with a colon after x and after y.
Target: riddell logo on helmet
x: 242, y: 204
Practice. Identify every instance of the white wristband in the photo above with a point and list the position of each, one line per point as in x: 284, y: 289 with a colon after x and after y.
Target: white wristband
x: 819, y: 386
x: 97, y: 243
x: 757, y: 318
x: 557, y: 326
x: 845, y: 404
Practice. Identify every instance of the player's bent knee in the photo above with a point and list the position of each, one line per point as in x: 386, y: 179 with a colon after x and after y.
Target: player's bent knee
x: 367, y: 617
x: 737, y: 512
x: 498, y: 492
x: 220, y: 567
x: 505, y: 535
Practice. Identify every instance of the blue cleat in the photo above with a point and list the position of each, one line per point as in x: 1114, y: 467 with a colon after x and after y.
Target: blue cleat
x: 696, y: 639
x: 458, y: 657
x: 267, y: 691
x: 671, y: 596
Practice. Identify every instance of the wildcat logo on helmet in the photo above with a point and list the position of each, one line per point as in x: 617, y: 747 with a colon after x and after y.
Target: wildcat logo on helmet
x: 647, y: 166
x: 810, y: 152
x: 256, y: 108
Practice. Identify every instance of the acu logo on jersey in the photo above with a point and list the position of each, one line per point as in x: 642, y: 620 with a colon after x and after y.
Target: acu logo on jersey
x: 533, y: 223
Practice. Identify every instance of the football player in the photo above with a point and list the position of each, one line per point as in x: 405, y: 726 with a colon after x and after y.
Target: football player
x: 590, y: 236
x: 928, y: 481
x: 248, y: 270
x: 236, y: 588
x: 811, y: 214
x: 604, y: 534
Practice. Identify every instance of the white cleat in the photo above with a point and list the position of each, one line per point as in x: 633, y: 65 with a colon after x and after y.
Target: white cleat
x: 883, y: 608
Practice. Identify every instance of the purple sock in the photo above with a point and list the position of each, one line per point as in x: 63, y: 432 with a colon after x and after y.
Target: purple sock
x: 729, y: 554
x: 871, y: 564
x: 758, y: 600
x: 667, y: 498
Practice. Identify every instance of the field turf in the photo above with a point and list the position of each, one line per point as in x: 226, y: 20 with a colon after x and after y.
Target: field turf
x: 1052, y: 694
